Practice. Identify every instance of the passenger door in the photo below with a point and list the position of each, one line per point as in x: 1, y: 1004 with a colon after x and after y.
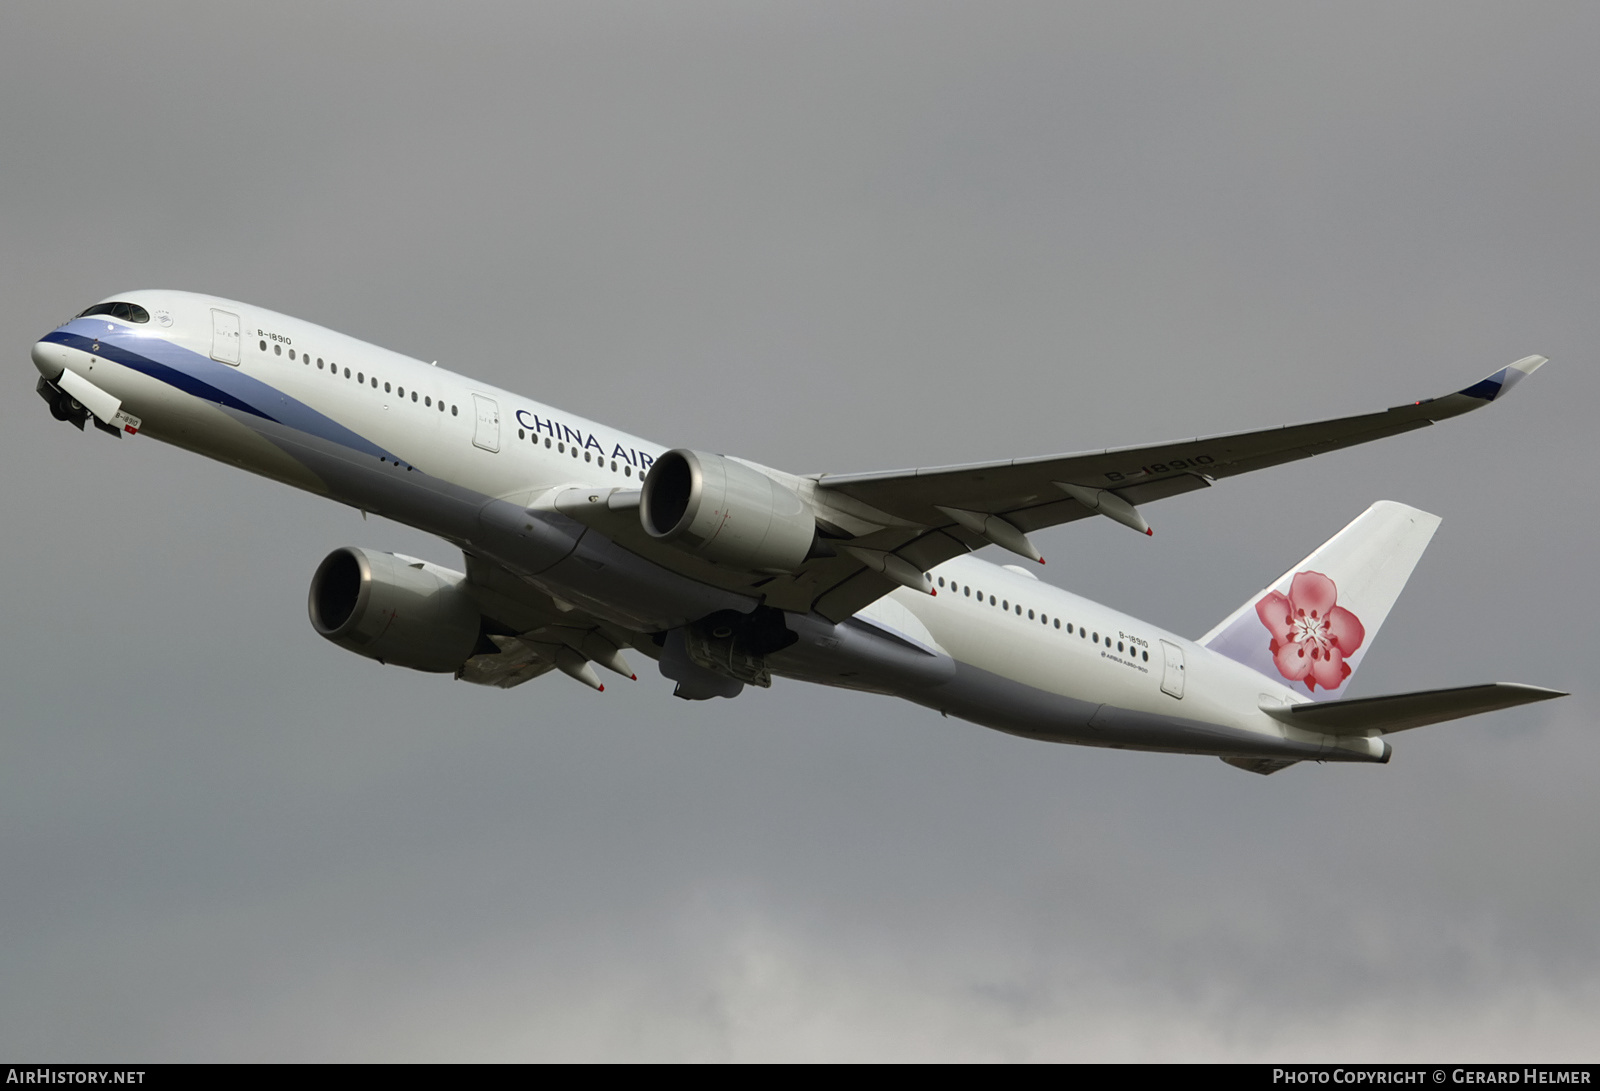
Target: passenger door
x: 487, y: 432
x: 1172, y: 670
x: 225, y: 337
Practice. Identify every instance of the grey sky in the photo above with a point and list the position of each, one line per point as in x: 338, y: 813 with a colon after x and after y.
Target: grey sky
x: 827, y: 237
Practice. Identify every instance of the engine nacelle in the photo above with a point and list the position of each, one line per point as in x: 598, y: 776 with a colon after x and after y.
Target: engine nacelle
x: 726, y: 512
x: 394, y: 609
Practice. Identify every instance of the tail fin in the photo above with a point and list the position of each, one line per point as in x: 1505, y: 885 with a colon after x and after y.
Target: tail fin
x: 1315, y: 623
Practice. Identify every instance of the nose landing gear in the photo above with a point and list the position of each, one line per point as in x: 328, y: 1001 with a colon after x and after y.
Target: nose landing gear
x: 64, y: 406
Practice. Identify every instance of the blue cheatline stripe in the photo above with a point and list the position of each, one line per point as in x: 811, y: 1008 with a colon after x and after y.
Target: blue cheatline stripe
x: 172, y: 376
x: 209, y: 380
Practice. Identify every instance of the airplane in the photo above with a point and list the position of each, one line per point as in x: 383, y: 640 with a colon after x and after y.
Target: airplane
x: 580, y: 543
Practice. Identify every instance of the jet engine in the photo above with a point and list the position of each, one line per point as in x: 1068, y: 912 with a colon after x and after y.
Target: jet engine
x: 394, y: 609
x: 726, y: 512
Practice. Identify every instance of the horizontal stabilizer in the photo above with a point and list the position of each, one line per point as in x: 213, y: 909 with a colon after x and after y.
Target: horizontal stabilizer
x: 1403, y: 711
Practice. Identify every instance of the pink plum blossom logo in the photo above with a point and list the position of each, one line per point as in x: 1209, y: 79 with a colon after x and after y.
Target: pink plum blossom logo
x: 1312, y: 635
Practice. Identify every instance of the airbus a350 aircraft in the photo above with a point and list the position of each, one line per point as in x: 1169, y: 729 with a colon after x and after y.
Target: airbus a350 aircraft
x: 580, y: 542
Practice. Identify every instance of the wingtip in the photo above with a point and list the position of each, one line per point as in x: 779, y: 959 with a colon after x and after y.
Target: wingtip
x: 1544, y: 694
x: 1500, y: 383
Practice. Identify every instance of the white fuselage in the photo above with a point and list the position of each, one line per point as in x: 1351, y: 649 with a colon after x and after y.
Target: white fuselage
x: 400, y: 437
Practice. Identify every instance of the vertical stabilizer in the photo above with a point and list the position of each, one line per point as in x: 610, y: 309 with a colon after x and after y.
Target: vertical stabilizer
x: 1312, y: 627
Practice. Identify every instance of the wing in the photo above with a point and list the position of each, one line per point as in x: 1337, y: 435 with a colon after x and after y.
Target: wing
x: 540, y: 634
x: 895, y: 524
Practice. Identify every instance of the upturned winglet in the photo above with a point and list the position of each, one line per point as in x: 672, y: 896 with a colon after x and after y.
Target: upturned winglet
x: 1503, y: 380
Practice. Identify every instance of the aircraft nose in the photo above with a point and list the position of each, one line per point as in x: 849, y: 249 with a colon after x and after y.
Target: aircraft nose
x: 50, y: 358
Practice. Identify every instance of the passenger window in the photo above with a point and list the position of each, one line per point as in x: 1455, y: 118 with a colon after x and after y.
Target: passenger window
x: 291, y: 354
x: 520, y: 434
x: 386, y: 388
x: 263, y: 346
x: 277, y: 350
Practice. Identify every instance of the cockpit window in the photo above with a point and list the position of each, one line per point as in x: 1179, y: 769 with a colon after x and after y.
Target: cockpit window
x: 128, y: 312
